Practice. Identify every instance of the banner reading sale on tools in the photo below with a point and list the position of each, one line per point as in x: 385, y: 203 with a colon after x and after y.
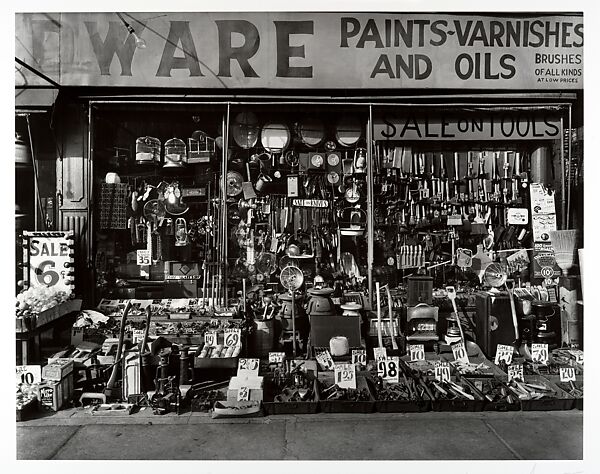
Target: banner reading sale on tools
x: 302, y: 50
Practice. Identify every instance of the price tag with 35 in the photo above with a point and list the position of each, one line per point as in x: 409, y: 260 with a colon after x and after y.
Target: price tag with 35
x: 459, y: 351
x: 567, y: 374
x: 243, y: 394
x: 442, y: 372
x: 210, y: 338
x: 379, y: 353
x: 417, y: 352
x: 143, y: 257
x: 503, y: 353
x: 515, y: 371
x: 232, y: 337
x: 248, y: 367
x: 29, y: 374
x: 345, y: 375
x: 388, y: 369
x: 539, y: 353
x: 359, y: 356
x: 276, y: 357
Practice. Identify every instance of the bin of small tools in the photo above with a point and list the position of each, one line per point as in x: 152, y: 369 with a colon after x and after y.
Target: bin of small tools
x: 537, y: 393
x: 575, y: 389
x: 454, y: 395
x: 334, y: 399
x: 498, y: 396
x: 291, y: 397
x: 406, y: 396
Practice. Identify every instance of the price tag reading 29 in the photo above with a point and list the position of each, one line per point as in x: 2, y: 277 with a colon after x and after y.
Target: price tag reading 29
x: 388, y: 369
x: 539, y: 353
x: 345, y: 375
x: 248, y: 367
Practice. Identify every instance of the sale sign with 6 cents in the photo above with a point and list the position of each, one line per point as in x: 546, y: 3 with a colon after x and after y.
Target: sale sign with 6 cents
x: 48, y: 259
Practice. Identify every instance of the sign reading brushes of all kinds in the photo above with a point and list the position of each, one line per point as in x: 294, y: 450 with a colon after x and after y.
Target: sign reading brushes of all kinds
x: 305, y: 50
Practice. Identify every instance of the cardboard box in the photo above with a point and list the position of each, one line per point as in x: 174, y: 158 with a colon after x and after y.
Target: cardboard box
x: 57, y: 369
x: 54, y: 394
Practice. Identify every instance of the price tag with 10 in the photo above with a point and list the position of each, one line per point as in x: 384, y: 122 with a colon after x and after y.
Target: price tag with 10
x: 459, y: 351
x: 359, y: 356
x: 210, y: 338
x: 417, y: 352
x: 345, y: 375
x: 29, y: 374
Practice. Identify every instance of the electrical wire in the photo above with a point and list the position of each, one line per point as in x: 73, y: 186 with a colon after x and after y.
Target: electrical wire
x: 35, y: 175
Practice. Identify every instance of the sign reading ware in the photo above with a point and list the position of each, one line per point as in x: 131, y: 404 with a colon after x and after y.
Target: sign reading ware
x: 287, y: 50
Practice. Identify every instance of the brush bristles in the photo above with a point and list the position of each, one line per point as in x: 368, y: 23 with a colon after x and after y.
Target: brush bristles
x: 563, y: 241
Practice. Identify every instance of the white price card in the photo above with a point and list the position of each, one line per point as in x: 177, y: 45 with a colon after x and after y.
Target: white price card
x: 459, y: 351
x: 379, y: 353
x: 388, y: 369
x: 233, y: 337
x: 324, y: 359
x: 578, y: 355
x: 345, y: 375
x: 503, y: 353
x: 210, y: 338
x: 29, y: 374
x: 417, y: 352
x: 359, y: 356
x: 442, y: 372
x: 567, y: 374
x: 248, y: 367
x: 539, y: 353
x: 243, y: 394
x: 276, y: 357
x: 143, y: 257
x: 138, y: 335
x: 515, y: 371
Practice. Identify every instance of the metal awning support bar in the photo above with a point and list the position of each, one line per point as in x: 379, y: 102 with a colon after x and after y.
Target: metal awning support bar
x: 37, y: 73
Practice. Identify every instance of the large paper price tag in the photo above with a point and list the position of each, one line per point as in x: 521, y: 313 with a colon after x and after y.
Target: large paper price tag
x: 379, y: 353
x: 442, y: 372
x: 515, y: 371
x: 233, y: 337
x: 143, y: 257
x: 359, y: 356
x: 210, y: 338
x: 459, y: 351
x: 29, y: 374
x: 243, y: 394
x: 345, y: 375
x: 503, y: 353
x: 539, y: 353
x: 388, y: 369
x: 276, y: 357
x: 417, y: 352
x: 324, y: 359
x: 248, y: 367
x: 567, y: 374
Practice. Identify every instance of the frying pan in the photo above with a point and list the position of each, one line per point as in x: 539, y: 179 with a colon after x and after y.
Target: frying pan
x: 275, y: 137
x: 244, y: 129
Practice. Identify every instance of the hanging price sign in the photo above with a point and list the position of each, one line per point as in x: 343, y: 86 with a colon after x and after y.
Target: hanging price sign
x: 379, y: 353
x: 515, y: 371
x: 29, y: 374
x: 417, y: 352
x: 276, y: 357
x: 243, y: 394
x: 233, y: 337
x: 248, y: 367
x: 503, y: 353
x: 459, y: 351
x: 210, y: 338
x: 143, y: 257
x: 359, y: 356
x: 539, y: 353
x: 567, y: 374
x: 442, y: 372
x: 48, y: 259
x: 345, y: 375
x: 388, y: 369
x: 324, y: 359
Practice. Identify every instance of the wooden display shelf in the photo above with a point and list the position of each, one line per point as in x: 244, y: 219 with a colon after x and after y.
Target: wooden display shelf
x: 36, y: 321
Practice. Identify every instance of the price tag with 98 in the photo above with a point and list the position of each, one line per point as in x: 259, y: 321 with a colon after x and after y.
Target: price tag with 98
x: 567, y: 374
x: 29, y: 374
x: 515, y: 371
x: 232, y: 337
x: 276, y: 357
x: 345, y: 375
x: 459, y: 351
x: 210, y: 338
x: 388, y: 369
x: 442, y: 372
x: 503, y: 353
x: 143, y: 257
x: 539, y: 353
x: 359, y: 356
x: 248, y: 367
x: 243, y: 394
x: 417, y: 352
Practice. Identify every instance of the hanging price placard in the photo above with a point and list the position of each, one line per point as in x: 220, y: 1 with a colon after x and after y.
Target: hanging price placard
x: 276, y: 357
x: 48, y: 259
x: 233, y: 337
x: 248, y: 367
x: 503, y: 353
x: 359, y: 356
x: 567, y: 374
x: 417, y: 352
x: 243, y: 394
x: 388, y: 369
x: 442, y: 372
x: 29, y: 374
x: 324, y: 359
x: 379, y: 353
x: 143, y: 257
x: 515, y: 371
x: 210, y: 338
x: 539, y: 353
x: 345, y: 375
x: 459, y: 351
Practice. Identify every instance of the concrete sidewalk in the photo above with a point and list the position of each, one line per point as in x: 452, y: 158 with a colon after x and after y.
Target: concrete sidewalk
x: 74, y: 434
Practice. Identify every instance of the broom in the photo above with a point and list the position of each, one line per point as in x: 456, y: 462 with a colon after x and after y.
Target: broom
x: 564, y: 243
